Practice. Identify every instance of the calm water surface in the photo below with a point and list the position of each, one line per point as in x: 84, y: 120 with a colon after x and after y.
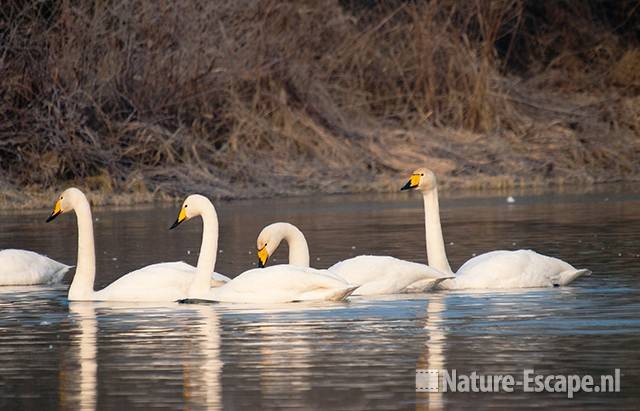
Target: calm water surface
x: 360, y: 354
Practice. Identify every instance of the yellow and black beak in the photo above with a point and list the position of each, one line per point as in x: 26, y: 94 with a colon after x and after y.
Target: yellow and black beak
x: 181, y: 217
x: 57, y: 210
x: 413, y: 182
x: 263, y: 256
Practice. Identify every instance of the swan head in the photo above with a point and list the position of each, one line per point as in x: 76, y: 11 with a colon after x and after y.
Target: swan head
x: 268, y: 241
x: 422, y: 179
x: 193, y: 206
x: 67, y: 202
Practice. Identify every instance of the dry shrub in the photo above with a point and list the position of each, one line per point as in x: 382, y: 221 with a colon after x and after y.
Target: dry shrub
x: 260, y: 97
x: 626, y: 72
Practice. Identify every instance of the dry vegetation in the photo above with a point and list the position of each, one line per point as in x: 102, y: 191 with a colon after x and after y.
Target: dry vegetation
x: 142, y: 100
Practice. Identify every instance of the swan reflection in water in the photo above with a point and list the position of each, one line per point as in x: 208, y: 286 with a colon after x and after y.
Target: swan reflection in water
x: 197, y: 326
x: 78, y: 392
x: 202, y: 385
x: 433, y: 356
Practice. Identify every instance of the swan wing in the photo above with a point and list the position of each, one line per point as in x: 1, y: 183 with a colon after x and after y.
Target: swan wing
x: 22, y: 267
x: 217, y: 279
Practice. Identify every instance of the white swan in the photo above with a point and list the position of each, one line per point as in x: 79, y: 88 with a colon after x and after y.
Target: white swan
x: 273, y: 285
x: 372, y: 274
x: 22, y: 267
x: 154, y: 283
x: 495, y: 269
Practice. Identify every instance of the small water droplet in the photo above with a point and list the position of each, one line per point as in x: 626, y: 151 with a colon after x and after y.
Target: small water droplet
x: 353, y: 247
x: 220, y: 251
x: 317, y: 258
x: 511, y: 200
x: 114, y: 259
x: 188, y: 252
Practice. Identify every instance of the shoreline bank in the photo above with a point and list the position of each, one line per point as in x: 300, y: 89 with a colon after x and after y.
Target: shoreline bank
x: 12, y: 198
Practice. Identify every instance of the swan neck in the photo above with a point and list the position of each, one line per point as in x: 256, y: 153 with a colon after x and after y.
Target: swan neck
x: 298, y: 247
x: 208, y: 253
x: 436, y: 254
x: 82, y: 285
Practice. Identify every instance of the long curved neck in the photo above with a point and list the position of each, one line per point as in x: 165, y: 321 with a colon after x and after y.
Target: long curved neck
x: 436, y: 253
x: 298, y: 248
x: 208, y: 253
x: 82, y: 284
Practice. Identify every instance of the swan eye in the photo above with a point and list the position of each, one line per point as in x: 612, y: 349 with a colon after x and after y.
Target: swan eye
x: 185, y: 206
x: 422, y: 175
x: 61, y: 198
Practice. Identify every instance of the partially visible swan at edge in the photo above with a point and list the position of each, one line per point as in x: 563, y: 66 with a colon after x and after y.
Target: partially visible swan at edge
x: 273, y: 285
x: 495, y: 269
x: 153, y: 283
x: 22, y: 267
x: 371, y: 273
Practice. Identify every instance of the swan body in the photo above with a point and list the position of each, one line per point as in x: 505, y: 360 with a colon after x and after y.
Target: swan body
x: 154, y: 283
x: 513, y: 269
x: 167, y: 282
x: 278, y: 284
x: 22, y: 267
x: 387, y: 275
x: 495, y: 269
x: 372, y: 274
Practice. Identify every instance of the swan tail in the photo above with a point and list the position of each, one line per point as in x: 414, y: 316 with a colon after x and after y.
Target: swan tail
x: 57, y: 276
x: 335, y: 294
x: 425, y: 285
x: 567, y: 277
x: 217, y: 283
x: 341, y: 294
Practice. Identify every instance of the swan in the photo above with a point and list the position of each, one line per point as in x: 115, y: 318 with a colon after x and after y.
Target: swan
x: 278, y: 284
x: 153, y: 283
x: 372, y: 274
x: 22, y: 267
x: 495, y: 269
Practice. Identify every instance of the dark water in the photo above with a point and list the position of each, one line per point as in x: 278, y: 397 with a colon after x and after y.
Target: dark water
x: 360, y: 354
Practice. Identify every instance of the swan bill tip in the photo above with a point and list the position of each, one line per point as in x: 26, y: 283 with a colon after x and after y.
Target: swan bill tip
x: 407, y: 186
x: 52, y: 217
x: 175, y: 223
